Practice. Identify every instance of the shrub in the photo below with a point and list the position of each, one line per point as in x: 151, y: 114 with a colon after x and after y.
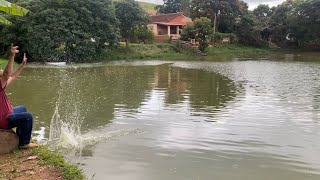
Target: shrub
x: 69, y: 30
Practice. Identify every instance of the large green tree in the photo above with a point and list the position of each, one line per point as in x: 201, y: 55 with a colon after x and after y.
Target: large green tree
x: 68, y: 30
x: 173, y: 6
x: 262, y: 12
x: 203, y: 29
x: 249, y: 31
x: 131, y: 18
x: 304, y: 22
x: 296, y: 22
x: 225, y: 12
x: 200, y: 30
x: 262, y: 15
x: 279, y: 22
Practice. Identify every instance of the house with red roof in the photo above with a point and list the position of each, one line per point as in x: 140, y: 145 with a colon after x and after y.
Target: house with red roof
x: 166, y: 26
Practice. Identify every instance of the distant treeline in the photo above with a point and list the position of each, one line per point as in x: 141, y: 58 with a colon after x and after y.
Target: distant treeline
x: 80, y: 30
x: 74, y: 30
x: 294, y: 23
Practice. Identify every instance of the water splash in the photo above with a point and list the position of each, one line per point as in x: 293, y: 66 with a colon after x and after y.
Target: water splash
x: 65, y: 125
x: 70, y: 110
x: 64, y: 134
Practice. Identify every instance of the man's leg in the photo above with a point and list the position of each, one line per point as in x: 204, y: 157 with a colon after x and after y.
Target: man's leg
x: 23, y: 121
x: 19, y: 109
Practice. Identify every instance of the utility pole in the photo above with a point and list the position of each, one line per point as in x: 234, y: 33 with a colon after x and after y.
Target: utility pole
x: 214, y: 23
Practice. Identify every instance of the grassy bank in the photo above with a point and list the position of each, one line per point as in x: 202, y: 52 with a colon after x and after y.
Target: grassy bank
x: 167, y: 51
x: 39, y: 163
x: 237, y: 50
x: 144, y: 5
x: 147, y: 6
x: 162, y: 51
x: 3, y: 63
x: 69, y: 171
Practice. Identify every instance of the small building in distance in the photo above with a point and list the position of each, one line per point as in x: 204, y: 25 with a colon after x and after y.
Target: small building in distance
x: 166, y: 26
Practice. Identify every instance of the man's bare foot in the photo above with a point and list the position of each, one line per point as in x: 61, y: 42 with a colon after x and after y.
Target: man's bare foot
x: 29, y: 146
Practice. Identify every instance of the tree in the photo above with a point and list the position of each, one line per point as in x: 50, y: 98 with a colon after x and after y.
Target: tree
x: 296, y: 23
x: 188, y: 33
x: 68, y: 30
x: 173, y: 6
x: 11, y: 9
x: 279, y: 22
x: 248, y: 31
x: 225, y: 11
x: 203, y: 29
x: 131, y: 17
x: 200, y: 30
x: 263, y: 13
x: 304, y: 22
x: 142, y: 34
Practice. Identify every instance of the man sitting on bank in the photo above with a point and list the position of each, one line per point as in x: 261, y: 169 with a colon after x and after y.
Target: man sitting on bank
x: 11, y: 117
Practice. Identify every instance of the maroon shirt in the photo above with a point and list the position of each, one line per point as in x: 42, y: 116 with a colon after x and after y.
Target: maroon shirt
x: 5, y: 108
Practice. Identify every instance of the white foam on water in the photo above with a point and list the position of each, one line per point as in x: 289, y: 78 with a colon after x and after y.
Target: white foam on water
x: 94, y: 137
x: 57, y: 63
x: 39, y: 136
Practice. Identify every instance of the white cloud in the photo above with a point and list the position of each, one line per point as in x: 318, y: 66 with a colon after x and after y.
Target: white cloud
x: 152, y: 1
x: 254, y: 3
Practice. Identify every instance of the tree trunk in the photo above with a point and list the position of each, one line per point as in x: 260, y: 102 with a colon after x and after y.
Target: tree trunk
x: 8, y: 141
x: 127, y: 43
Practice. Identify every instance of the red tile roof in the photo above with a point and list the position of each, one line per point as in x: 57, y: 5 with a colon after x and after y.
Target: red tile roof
x: 164, y: 18
x: 178, y: 19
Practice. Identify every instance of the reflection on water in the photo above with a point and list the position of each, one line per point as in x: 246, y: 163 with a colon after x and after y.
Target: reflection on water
x: 183, y: 120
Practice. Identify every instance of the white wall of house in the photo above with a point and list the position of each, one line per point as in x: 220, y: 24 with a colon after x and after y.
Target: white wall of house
x: 153, y: 28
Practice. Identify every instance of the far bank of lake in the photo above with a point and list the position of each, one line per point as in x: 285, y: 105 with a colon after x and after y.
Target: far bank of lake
x: 167, y: 51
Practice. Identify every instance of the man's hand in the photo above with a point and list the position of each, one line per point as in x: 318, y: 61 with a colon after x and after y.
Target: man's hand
x: 25, y: 59
x: 13, y: 50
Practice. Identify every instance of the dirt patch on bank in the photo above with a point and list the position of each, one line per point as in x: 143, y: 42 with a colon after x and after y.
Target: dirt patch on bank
x: 24, y: 165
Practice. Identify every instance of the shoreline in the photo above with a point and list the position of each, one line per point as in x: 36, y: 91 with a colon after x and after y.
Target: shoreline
x: 37, y: 164
x: 167, y: 51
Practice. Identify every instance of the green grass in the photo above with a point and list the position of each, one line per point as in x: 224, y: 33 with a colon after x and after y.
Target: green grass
x: 69, y: 171
x: 3, y: 63
x: 144, y: 5
x: 147, y: 6
x: 237, y: 50
x: 167, y: 51
x: 162, y: 51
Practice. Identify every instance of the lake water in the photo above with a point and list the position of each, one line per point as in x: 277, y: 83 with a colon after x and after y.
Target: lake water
x: 243, y: 119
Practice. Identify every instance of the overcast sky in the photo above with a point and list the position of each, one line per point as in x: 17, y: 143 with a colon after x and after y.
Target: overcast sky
x: 252, y: 3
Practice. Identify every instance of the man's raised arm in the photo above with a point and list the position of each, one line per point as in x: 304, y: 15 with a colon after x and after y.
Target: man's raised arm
x: 9, y: 67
